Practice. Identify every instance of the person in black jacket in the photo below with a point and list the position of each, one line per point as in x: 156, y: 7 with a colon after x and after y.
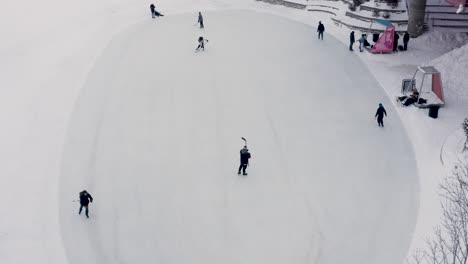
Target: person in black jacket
x: 395, y: 41
x: 244, y: 160
x: 351, y: 40
x: 320, y: 30
x: 380, y: 114
x: 405, y: 40
x: 152, y: 8
x: 201, y: 44
x: 85, y: 198
x: 200, y: 20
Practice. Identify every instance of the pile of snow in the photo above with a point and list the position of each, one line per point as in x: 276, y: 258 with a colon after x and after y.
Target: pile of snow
x: 453, y: 67
x: 440, y: 40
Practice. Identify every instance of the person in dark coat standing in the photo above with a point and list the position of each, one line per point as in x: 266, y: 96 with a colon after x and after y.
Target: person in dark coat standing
x: 85, y: 198
x: 200, y: 20
x: 405, y: 40
x: 395, y: 41
x: 351, y: 40
x: 380, y: 114
x: 320, y: 30
x: 152, y: 8
x: 244, y: 160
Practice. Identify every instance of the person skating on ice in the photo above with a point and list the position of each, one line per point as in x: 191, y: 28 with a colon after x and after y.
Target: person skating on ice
x: 201, y: 44
x: 244, y: 160
x: 85, y: 199
x: 200, y: 20
x: 152, y: 8
x: 320, y: 30
x: 380, y: 115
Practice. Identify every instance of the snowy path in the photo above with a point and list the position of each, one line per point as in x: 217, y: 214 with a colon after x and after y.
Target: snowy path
x: 156, y: 134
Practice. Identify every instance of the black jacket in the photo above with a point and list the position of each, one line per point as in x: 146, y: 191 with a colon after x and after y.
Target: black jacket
x: 380, y: 112
x: 406, y: 38
x: 321, y: 28
x: 85, y: 198
x: 152, y: 7
x: 244, y: 156
x: 351, y: 37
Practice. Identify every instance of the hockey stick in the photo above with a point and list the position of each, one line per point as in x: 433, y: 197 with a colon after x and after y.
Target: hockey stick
x: 245, y: 140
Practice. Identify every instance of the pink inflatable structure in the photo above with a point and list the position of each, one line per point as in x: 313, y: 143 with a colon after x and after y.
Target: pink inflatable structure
x: 385, y: 42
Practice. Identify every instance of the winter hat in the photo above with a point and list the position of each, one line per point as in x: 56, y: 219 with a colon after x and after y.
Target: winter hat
x: 380, y: 105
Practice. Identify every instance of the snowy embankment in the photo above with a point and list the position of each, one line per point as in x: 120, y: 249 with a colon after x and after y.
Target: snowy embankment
x: 453, y: 66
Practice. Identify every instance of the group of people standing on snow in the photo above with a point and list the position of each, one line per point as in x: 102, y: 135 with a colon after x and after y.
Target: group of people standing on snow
x: 364, y: 43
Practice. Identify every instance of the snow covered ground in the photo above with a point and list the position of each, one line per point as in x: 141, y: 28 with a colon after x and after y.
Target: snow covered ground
x: 52, y: 65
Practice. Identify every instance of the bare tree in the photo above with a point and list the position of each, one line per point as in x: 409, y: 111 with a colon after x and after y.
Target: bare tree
x: 449, y: 243
x: 465, y: 128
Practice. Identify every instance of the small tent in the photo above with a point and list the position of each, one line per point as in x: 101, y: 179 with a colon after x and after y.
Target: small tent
x: 385, y: 42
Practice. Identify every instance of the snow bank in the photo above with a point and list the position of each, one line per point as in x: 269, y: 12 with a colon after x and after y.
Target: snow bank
x: 453, y: 67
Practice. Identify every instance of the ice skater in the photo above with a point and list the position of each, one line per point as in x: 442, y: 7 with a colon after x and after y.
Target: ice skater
x: 200, y: 20
x: 201, y: 44
x: 380, y: 115
x: 85, y: 198
x: 152, y: 8
x: 244, y: 160
x: 320, y: 30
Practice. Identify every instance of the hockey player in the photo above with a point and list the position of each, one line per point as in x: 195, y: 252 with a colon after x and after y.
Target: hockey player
x: 201, y: 44
x: 244, y: 160
x: 85, y: 198
x: 200, y: 20
x: 380, y: 114
x: 320, y: 30
x: 152, y: 8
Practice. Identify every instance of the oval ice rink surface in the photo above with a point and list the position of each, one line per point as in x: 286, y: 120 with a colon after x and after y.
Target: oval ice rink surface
x: 155, y: 138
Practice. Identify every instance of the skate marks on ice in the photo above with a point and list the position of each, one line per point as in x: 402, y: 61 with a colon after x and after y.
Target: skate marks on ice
x: 155, y: 138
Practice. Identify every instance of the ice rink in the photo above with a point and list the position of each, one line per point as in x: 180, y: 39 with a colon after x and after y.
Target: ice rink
x: 155, y: 138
